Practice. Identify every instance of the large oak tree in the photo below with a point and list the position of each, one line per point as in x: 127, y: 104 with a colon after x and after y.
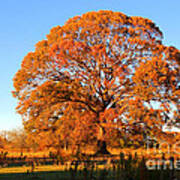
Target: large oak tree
x: 100, y: 73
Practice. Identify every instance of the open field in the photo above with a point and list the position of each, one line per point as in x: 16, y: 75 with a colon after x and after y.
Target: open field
x: 25, y: 169
x: 127, y: 165
x: 55, y: 173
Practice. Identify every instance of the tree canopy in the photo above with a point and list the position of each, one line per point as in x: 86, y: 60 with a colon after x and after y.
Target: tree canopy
x: 100, y: 76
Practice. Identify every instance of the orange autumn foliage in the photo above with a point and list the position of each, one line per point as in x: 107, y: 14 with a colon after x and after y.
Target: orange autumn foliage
x: 99, y: 73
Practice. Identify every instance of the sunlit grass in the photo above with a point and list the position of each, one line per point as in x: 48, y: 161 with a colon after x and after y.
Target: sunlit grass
x: 44, y: 168
x: 25, y: 169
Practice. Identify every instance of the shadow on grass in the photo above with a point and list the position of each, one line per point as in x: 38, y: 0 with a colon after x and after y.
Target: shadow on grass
x: 55, y: 175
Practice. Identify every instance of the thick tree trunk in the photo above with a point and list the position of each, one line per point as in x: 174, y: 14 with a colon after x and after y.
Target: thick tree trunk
x: 102, y: 148
x: 101, y: 144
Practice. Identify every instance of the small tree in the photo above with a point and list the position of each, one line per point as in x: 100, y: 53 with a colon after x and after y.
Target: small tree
x: 17, y: 139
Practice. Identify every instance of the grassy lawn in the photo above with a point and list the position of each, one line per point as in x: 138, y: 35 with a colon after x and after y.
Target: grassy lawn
x: 53, y: 175
x: 53, y: 172
x: 102, y: 170
x: 25, y: 169
x: 41, y: 173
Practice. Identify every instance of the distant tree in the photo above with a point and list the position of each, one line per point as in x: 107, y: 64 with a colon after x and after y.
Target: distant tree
x: 16, y: 139
x: 3, y: 139
x: 1, y: 143
x: 99, y: 72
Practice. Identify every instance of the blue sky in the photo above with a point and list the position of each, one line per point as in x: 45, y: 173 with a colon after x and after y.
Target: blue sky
x: 24, y: 23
